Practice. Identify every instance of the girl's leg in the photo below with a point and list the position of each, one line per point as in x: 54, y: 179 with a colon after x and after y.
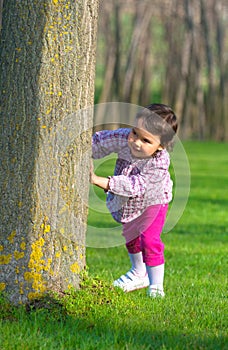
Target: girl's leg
x: 135, y: 254
x: 137, y: 277
x: 156, y: 278
x: 153, y: 252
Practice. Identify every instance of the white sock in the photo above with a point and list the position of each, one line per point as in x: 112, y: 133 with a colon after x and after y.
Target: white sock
x: 156, y: 275
x: 138, y: 265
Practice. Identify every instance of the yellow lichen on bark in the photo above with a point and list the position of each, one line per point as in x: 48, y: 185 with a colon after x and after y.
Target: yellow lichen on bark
x: 46, y: 228
x: 23, y: 245
x: 37, y: 265
x: 75, y: 268
x: 11, y: 237
x: 18, y: 255
x: 2, y: 286
x: 5, y: 259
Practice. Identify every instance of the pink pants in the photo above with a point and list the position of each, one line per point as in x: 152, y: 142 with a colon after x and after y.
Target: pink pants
x: 144, y: 234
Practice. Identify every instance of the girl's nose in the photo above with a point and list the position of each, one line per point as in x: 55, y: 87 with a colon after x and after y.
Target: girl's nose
x: 137, y: 142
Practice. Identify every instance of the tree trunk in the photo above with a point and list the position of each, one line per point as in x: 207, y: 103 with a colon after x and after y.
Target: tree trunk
x: 1, y: 5
x: 186, y: 56
x: 142, y: 22
x: 110, y: 53
x: 47, y: 77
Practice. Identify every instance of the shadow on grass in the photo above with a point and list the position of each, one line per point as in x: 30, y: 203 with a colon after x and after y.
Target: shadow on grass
x: 46, y: 324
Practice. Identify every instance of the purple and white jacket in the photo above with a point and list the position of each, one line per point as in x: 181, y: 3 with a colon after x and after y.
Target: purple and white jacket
x: 136, y: 183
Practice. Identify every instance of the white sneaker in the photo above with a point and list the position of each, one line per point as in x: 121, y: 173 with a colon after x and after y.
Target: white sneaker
x: 155, y: 292
x: 130, y: 282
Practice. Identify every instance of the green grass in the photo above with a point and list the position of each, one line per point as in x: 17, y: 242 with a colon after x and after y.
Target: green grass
x: 193, y: 315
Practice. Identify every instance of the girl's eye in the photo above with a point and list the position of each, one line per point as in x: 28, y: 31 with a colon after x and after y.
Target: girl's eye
x: 146, y: 140
x: 134, y: 132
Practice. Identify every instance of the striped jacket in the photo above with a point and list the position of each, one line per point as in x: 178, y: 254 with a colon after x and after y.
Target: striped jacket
x: 136, y: 183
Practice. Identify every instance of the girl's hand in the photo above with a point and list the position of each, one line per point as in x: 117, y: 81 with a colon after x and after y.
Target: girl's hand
x: 91, y: 175
x: 99, y: 181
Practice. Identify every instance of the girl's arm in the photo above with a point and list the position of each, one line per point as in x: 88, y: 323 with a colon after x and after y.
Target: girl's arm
x: 108, y: 141
x: 150, y: 178
x: 102, y: 182
x: 99, y: 181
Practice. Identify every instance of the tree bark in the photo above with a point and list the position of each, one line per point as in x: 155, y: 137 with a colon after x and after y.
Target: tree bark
x: 47, y: 78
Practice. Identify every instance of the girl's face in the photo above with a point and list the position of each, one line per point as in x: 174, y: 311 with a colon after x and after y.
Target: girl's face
x: 141, y: 142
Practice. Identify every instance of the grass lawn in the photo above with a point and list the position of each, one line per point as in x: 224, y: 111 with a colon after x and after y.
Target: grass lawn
x: 193, y: 315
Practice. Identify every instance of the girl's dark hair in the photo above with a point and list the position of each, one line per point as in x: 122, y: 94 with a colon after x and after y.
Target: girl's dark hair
x: 160, y: 120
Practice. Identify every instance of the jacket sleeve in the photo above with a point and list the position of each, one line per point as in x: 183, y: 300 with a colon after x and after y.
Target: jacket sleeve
x: 136, y: 185
x: 151, y: 178
x: 108, y: 141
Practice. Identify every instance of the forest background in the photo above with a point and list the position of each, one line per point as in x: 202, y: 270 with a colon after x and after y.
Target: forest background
x: 170, y: 51
x: 175, y: 52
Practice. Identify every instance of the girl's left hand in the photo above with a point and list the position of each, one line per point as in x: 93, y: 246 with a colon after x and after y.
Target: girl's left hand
x: 91, y: 175
x: 102, y: 182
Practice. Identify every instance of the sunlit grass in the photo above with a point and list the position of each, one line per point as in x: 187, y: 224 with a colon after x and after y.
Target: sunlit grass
x: 193, y: 315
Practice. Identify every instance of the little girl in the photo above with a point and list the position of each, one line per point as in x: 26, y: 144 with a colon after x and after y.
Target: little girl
x: 139, y: 191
